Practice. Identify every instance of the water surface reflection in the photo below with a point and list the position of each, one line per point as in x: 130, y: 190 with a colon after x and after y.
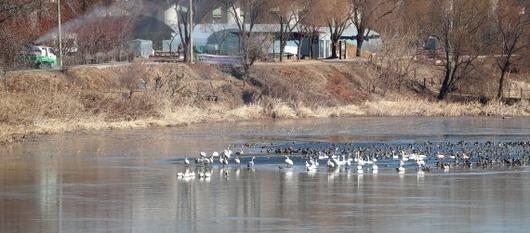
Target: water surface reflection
x: 116, y: 182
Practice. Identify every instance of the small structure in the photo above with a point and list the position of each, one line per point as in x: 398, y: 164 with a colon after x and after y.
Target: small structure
x: 141, y: 48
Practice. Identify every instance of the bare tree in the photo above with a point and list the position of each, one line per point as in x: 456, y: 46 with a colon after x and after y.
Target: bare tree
x: 511, y: 23
x: 287, y: 15
x: 199, y: 10
x: 14, y: 32
x: 459, y: 26
x: 309, y: 26
x: 11, y: 8
x: 338, y: 19
x: 246, y: 14
x: 133, y: 79
x: 366, y: 14
x: 396, y: 56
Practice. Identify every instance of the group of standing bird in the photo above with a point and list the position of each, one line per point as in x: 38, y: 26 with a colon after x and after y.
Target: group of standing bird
x: 442, y: 156
x: 205, y: 162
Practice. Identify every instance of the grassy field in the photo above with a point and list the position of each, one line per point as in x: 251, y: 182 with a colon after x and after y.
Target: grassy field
x: 144, y: 95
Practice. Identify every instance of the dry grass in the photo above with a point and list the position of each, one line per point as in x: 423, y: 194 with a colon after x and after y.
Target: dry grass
x: 419, y: 107
x: 34, y: 103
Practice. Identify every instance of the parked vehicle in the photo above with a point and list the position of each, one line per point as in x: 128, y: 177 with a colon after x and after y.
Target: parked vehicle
x: 40, y: 56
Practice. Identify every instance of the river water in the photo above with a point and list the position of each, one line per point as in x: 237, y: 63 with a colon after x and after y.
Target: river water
x: 125, y: 181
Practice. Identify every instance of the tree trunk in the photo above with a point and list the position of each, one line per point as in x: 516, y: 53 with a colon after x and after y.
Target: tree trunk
x: 299, y: 51
x: 444, y: 89
x: 334, y: 48
x: 282, y: 49
x: 282, y: 41
x: 311, y: 51
x: 501, y: 84
x: 360, y: 41
x: 185, y: 48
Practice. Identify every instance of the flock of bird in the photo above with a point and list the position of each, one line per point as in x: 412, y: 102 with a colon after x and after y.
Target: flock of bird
x: 442, y: 156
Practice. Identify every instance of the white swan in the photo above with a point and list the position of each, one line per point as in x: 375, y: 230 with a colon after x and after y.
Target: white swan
x: 288, y: 161
x: 310, y: 166
x: 420, y: 162
x: 322, y: 155
x: 223, y: 161
x: 446, y: 167
x: 227, y: 153
x: 360, y: 169
x: 401, y: 169
x: 330, y: 164
x: 205, y: 174
x: 186, y: 175
x: 440, y: 156
x: 421, y: 172
x: 186, y: 161
x: 375, y: 168
x: 237, y: 160
x: 404, y: 157
x: 369, y: 161
x: 251, y: 163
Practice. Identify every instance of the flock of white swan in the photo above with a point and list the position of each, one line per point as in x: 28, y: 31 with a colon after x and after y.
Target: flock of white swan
x: 361, y: 163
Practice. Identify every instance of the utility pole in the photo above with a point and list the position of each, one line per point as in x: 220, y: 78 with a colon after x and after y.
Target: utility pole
x: 60, y: 60
x: 190, y: 24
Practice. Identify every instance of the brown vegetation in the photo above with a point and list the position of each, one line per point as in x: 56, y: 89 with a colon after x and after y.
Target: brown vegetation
x: 145, y: 95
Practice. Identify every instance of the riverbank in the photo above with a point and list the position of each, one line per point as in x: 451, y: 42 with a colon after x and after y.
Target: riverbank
x: 144, y: 95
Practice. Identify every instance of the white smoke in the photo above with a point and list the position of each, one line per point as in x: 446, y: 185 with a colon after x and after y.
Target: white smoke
x: 115, y: 10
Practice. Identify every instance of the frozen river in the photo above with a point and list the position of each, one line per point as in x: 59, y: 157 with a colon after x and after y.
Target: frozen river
x: 125, y: 181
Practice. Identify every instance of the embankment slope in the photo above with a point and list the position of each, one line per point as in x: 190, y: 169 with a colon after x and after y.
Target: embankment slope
x: 151, y: 94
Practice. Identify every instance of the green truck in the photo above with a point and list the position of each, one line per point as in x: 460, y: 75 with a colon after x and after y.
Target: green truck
x: 40, y: 56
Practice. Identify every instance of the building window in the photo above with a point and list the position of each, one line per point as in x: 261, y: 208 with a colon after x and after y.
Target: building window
x: 217, y: 13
